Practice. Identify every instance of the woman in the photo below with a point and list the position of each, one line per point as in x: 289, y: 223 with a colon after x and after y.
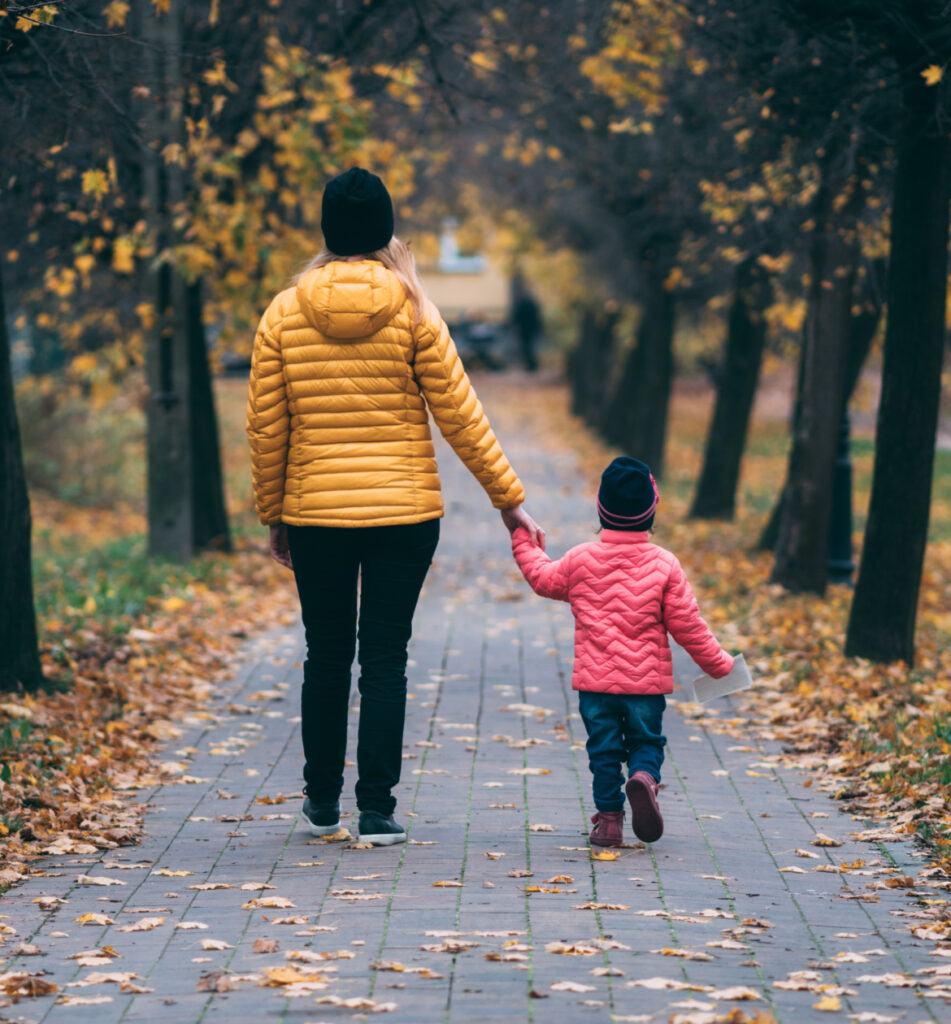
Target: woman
x: 345, y: 364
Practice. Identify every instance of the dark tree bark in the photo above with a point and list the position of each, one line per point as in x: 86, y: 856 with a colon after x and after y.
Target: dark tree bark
x: 770, y: 535
x: 736, y: 390
x: 802, y: 548
x: 208, y: 495
x: 19, y: 652
x: 636, y: 416
x: 882, y: 620
x: 574, y: 363
x: 186, y: 507
x: 862, y: 331
x: 592, y: 360
x: 864, y: 325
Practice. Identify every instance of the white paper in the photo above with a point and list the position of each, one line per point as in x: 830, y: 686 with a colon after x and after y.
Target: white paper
x: 707, y: 688
x: 685, y: 669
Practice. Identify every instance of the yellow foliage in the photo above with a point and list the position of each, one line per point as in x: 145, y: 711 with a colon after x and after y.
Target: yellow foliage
x: 123, y: 255
x: 95, y: 183
x: 115, y: 12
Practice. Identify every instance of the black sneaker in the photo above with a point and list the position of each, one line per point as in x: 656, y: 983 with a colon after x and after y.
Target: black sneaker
x: 380, y: 829
x: 321, y: 819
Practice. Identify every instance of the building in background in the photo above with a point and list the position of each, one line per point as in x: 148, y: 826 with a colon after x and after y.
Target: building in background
x: 465, y: 286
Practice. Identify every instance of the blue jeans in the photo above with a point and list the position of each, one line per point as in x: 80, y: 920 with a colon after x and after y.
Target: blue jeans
x: 622, y: 729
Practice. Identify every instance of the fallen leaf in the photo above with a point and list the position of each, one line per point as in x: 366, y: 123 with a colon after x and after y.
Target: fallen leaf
x: 830, y: 1004
x: 684, y: 954
x: 145, y: 924
x: 269, y: 902
x: 94, y: 919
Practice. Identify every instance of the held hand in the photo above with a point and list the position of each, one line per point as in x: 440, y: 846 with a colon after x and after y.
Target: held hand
x: 518, y: 517
x: 280, y: 550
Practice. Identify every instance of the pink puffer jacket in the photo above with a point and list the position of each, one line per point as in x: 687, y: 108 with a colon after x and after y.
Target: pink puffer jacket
x: 626, y: 594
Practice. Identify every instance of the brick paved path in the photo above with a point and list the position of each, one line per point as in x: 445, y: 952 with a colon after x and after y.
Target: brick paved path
x: 496, y: 796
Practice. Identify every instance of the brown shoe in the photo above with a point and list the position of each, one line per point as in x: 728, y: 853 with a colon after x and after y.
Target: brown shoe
x: 608, y: 828
x: 646, y: 818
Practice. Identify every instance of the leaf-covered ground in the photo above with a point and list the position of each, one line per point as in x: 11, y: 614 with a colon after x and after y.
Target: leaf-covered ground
x: 128, y: 641
x: 877, y: 736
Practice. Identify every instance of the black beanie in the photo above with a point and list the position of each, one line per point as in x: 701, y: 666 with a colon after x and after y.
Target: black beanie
x: 628, y: 495
x: 357, y: 213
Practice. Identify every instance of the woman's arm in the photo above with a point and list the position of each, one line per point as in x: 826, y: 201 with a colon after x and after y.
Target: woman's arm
x: 687, y: 626
x: 268, y: 420
x: 459, y: 414
x: 546, y: 577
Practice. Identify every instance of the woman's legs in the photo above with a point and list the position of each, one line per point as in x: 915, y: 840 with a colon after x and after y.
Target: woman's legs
x: 394, y: 562
x: 326, y: 563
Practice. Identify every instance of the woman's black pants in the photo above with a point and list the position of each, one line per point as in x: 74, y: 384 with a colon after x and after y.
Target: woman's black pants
x: 391, y: 563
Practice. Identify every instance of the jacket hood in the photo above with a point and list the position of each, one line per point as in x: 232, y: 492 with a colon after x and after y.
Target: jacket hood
x: 350, y: 299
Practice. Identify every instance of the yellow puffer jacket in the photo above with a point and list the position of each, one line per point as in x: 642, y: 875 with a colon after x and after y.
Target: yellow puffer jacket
x: 340, y: 383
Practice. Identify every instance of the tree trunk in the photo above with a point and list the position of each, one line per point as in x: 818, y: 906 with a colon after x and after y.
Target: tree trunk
x: 208, y: 495
x: 882, y: 620
x: 19, y: 652
x: 802, y: 548
x: 575, y: 363
x: 770, y: 535
x: 600, y: 362
x: 862, y: 330
x: 736, y: 390
x: 636, y: 416
x: 186, y: 507
x: 591, y: 361
x: 864, y: 325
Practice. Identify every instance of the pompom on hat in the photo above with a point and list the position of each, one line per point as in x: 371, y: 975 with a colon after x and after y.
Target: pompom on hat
x: 628, y: 495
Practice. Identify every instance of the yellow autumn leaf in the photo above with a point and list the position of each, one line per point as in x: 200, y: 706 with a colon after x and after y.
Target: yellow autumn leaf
x: 831, y: 1004
x: 115, y: 12
x: 932, y: 74
x: 95, y: 182
x: 605, y: 854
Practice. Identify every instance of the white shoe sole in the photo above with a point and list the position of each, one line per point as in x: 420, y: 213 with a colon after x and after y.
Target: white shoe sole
x: 319, y: 830
x: 384, y: 839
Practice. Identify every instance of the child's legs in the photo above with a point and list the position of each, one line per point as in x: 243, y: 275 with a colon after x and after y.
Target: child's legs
x: 604, y: 720
x: 643, y: 739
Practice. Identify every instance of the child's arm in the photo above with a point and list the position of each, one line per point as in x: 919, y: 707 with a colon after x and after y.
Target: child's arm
x: 685, y: 623
x: 547, y: 578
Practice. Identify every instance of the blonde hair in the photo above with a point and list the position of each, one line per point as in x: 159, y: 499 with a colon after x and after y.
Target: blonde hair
x: 395, y: 256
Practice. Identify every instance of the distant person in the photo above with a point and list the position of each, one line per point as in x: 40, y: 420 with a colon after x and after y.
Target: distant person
x: 626, y: 594
x: 346, y: 363
x: 526, y: 319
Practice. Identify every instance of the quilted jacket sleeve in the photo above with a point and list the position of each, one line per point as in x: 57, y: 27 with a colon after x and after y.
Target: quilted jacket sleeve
x: 268, y: 421
x: 685, y: 623
x: 546, y: 577
x: 459, y: 414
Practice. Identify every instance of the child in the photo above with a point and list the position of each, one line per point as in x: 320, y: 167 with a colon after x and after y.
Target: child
x: 626, y: 595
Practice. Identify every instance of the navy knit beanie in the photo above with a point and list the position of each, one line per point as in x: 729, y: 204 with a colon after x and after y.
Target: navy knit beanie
x: 356, y: 213
x: 628, y: 495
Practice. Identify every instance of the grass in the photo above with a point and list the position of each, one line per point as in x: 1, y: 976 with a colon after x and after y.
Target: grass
x: 90, y: 561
